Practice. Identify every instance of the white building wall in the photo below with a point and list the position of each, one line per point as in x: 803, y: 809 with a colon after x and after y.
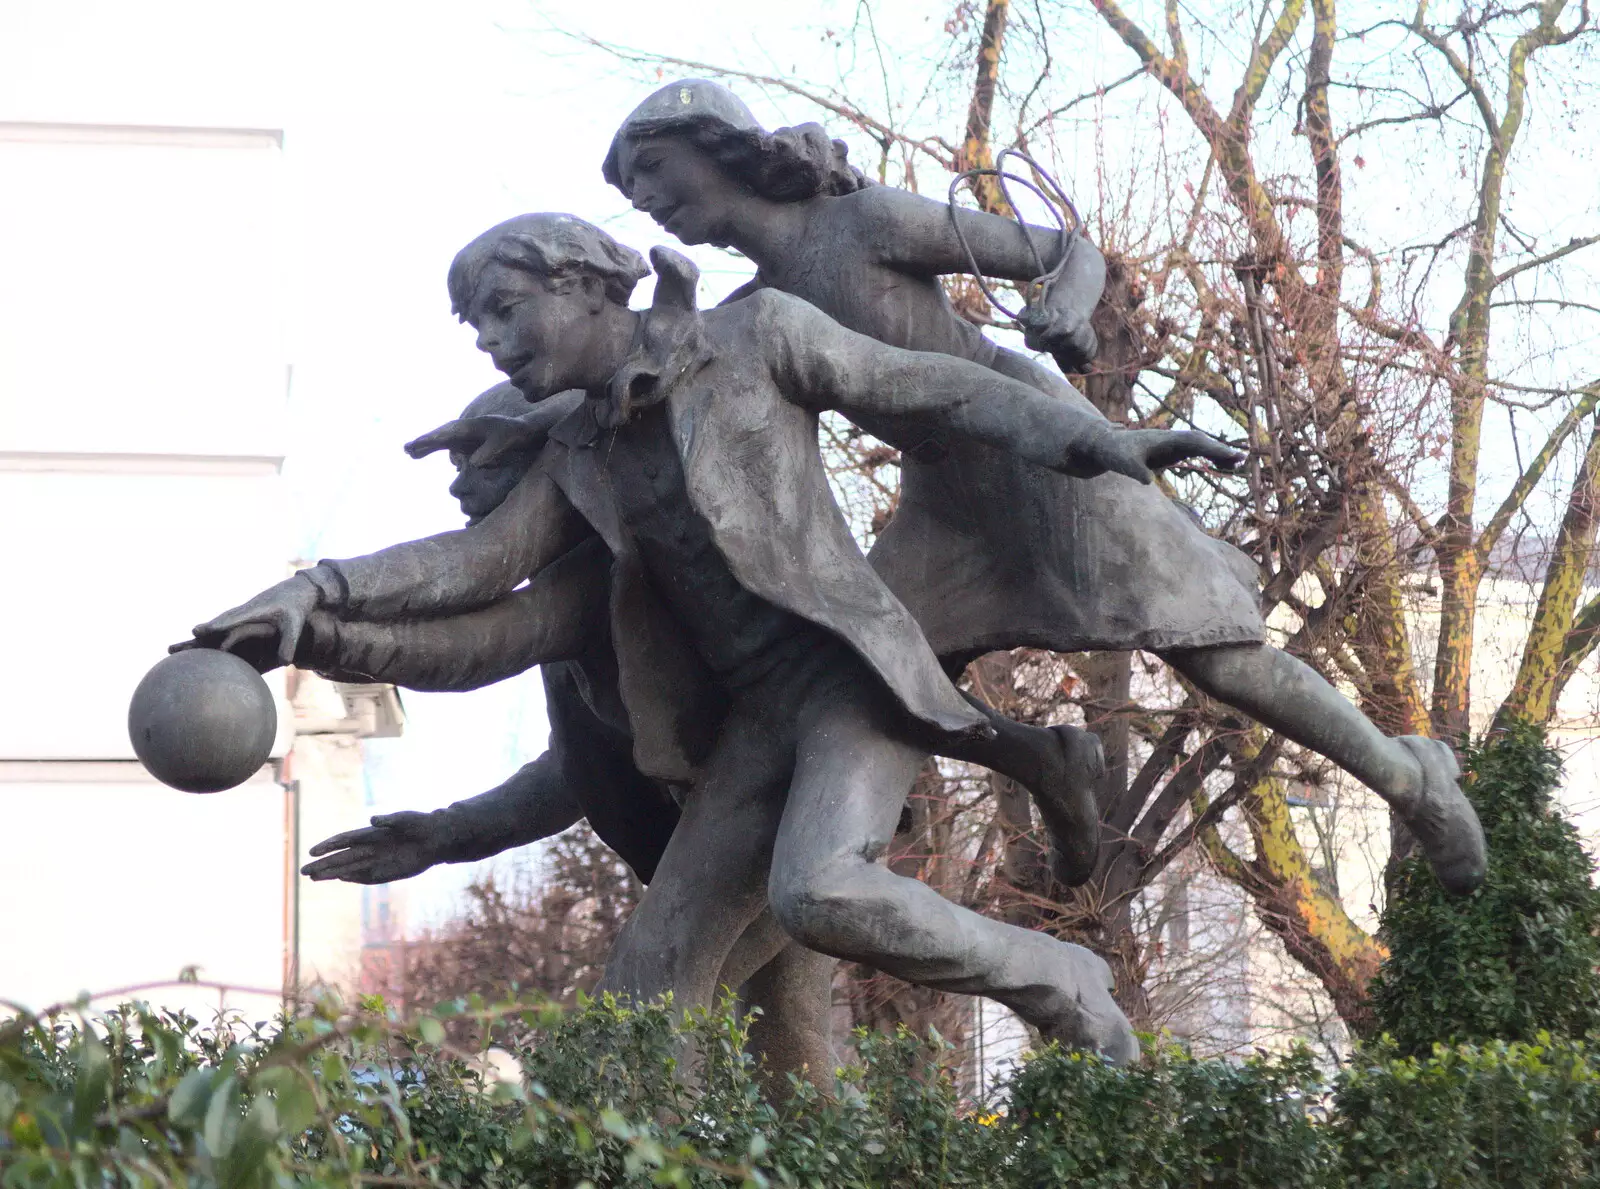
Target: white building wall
x: 110, y: 879
x: 143, y: 382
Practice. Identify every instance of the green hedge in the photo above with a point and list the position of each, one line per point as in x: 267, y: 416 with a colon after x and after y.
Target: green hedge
x: 349, y: 1099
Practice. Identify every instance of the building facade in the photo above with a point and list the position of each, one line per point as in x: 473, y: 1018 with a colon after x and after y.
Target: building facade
x: 143, y: 385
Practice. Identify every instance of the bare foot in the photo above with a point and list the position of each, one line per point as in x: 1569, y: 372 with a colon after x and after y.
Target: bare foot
x: 1065, y: 795
x: 1443, y: 820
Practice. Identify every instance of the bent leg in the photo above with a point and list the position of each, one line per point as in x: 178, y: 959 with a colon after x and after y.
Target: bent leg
x: 852, y: 775
x: 1061, y: 767
x: 1416, y: 776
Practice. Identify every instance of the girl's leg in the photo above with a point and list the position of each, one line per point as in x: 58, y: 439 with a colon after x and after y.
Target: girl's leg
x: 1416, y: 776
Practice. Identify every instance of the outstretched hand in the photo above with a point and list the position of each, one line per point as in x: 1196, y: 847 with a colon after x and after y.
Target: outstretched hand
x: 486, y: 441
x: 263, y: 631
x: 1139, y: 453
x: 396, y: 846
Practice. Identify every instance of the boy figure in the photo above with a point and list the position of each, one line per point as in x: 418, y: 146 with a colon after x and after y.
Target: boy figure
x: 558, y: 622
x: 694, y: 458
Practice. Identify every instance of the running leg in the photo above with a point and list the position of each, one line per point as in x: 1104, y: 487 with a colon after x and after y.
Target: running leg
x: 1416, y: 776
x: 852, y: 775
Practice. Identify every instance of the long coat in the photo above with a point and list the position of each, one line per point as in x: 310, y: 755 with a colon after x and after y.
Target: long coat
x: 744, y: 385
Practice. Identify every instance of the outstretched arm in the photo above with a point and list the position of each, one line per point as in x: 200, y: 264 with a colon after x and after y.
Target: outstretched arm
x: 552, y: 618
x: 819, y: 365
x: 535, y: 803
x: 465, y: 568
x: 916, y: 235
x: 454, y: 571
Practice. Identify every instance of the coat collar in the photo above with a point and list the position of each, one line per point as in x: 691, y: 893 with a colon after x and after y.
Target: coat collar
x: 669, y: 348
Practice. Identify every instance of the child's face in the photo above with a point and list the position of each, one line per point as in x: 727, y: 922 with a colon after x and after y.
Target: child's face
x: 678, y: 186
x: 535, y: 336
x: 480, y: 490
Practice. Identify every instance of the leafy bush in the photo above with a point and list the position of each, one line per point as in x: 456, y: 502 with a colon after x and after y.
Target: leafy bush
x: 1504, y: 1114
x: 1170, y: 1121
x: 1516, y: 958
x: 345, y: 1099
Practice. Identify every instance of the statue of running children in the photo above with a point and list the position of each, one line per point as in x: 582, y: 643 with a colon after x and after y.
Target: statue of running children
x: 694, y: 459
x: 988, y: 549
x: 557, y: 620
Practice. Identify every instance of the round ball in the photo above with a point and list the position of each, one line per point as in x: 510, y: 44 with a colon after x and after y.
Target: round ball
x: 202, y: 721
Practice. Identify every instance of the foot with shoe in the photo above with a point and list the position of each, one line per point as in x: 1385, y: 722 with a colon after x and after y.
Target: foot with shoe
x: 1441, y: 818
x: 1065, y: 795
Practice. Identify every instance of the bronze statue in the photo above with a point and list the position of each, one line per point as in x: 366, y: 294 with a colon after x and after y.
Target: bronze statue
x: 667, y: 534
x: 556, y: 620
x: 735, y: 583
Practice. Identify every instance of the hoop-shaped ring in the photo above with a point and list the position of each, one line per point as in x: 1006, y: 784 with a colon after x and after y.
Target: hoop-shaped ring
x: 1056, y: 201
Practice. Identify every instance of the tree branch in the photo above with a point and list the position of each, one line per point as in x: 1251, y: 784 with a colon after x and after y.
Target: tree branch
x: 1571, y: 246
x: 1463, y: 72
x: 1179, y: 789
x: 1537, y: 685
x: 1259, y: 67
x: 1579, y: 644
x: 1206, y: 820
x: 1529, y: 479
x: 1124, y: 811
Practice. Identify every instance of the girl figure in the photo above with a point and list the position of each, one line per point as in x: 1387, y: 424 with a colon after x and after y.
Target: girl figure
x: 988, y: 551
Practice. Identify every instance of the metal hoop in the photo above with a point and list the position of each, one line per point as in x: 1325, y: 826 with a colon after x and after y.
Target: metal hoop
x: 1056, y: 201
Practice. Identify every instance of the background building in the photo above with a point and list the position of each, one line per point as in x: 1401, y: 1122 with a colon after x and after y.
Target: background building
x: 223, y: 236
x: 142, y: 439
x: 141, y: 451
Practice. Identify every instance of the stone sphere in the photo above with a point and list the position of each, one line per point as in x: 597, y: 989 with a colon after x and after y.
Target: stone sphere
x: 202, y: 721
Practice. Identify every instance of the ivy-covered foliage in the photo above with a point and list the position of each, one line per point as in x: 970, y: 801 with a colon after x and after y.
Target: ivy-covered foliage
x: 1517, y: 957
x: 346, y: 1099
